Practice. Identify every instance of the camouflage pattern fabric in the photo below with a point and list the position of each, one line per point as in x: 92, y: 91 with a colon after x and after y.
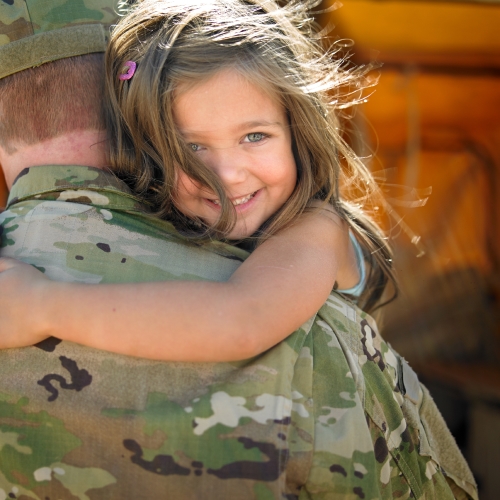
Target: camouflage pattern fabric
x: 34, y: 32
x: 332, y: 412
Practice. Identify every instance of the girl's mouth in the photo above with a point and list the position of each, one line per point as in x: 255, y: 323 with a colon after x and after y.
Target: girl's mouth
x: 237, y: 201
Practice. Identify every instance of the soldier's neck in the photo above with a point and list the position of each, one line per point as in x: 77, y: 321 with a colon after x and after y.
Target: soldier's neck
x: 82, y: 147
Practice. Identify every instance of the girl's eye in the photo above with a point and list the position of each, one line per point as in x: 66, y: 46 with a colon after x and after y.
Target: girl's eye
x: 194, y: 147
x: 255, y: 136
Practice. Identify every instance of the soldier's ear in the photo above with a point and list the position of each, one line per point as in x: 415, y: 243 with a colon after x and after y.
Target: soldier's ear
x: 4, y: 192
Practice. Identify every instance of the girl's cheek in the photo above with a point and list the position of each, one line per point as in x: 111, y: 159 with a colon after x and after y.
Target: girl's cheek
x: 184, y: 184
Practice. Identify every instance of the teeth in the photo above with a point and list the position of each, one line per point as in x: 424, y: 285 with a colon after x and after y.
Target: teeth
x: 238, y: 201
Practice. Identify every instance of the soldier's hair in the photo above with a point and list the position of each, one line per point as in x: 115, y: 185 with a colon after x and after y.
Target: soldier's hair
x: 276, y: 48
x: 46, y: 101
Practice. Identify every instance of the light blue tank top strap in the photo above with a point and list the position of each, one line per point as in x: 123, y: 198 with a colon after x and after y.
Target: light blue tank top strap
x: 357, y: 290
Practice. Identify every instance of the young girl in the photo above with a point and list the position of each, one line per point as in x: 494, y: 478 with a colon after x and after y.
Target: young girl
x: 223, y: 116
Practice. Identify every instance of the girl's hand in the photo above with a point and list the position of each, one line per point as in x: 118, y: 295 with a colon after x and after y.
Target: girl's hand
x: 22, y: 288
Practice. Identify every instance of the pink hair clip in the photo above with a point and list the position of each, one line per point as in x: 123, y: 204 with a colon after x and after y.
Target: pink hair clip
x: 129, y: 68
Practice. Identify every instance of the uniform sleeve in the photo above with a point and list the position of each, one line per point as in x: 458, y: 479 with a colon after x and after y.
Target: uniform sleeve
x: 375, y: 436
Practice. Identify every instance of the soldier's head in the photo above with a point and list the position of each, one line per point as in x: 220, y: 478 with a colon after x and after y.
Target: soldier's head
x: 51, y: 67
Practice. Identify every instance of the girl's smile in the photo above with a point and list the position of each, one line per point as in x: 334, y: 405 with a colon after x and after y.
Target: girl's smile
x: 241, y: 133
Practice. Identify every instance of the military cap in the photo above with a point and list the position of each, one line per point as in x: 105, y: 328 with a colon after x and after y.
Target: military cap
x: 34, y: 32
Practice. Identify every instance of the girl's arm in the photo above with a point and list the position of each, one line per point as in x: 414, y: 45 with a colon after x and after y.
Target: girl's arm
x: 281, y: 285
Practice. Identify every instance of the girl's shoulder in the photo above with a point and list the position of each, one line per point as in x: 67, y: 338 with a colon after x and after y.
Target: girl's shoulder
x: 346, y: 250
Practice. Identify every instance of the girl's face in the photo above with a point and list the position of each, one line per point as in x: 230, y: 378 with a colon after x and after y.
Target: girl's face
x: 242, y: 134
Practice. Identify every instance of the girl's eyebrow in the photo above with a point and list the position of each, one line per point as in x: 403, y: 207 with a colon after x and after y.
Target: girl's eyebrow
x: 259, y: 123
x: 242, y: 126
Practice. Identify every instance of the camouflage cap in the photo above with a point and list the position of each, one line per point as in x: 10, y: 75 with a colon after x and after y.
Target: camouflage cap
x: 34, y: 32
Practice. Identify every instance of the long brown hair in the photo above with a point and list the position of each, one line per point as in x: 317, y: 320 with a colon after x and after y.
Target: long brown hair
x: 276, y: 48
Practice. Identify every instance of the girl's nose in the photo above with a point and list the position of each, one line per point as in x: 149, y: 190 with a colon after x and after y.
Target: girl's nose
x: 229, y: 165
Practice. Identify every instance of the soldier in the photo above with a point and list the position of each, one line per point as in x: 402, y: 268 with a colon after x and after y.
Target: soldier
x: 331, y: 412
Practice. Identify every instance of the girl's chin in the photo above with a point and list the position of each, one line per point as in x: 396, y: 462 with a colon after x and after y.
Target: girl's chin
x: 240, y: 233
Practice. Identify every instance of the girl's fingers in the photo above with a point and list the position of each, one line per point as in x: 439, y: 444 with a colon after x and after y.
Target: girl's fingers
x: 8, y: 263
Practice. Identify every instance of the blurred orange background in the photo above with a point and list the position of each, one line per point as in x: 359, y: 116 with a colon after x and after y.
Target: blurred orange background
x: 433, y: 120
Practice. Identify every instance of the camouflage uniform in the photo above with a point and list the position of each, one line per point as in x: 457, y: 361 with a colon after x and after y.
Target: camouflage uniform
x: 332, y: 412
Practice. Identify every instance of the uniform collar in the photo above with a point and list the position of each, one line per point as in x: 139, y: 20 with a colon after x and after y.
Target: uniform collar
x: 79, y: 184
x: 101, y: 189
